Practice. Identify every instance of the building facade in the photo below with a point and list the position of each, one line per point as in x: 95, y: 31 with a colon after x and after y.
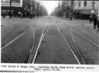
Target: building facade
x: 11, y: 7
x: 86, y: 6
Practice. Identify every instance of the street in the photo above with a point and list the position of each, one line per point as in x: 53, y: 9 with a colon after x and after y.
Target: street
x: 49, y: 40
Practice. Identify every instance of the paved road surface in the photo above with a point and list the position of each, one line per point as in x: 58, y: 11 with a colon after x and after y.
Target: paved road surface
x: 49, y: 40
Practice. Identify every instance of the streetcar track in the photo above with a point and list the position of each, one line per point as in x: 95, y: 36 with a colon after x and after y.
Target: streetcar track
x: 33, y: 31
x: 42, y: 37
x: 82, y: 58
x: 68, y: 46
x: 14, y: 39
x: 33, y: 45
x: 91, y: 35
x: 39, y: 44
x: 87, y: 39
x: 84, y: 37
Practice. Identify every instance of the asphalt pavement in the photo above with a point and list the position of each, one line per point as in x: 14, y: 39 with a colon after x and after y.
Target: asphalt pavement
x: 49, y: 40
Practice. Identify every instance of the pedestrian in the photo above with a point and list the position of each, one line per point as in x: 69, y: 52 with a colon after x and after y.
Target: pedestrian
x: 90, y: 18
x: 94, y: 21
x: 21, y: 15
x: 98, y: 22
x: 70, y: 16
x: 98, y: 25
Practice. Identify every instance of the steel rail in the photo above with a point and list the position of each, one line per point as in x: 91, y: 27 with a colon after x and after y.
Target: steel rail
x: 14, y: 39
x: 72, y: 35
x: 77, y: 49
x: 68, y: 46
x: 39, y: 44
x: 32, y: 47
x: 85, y: 37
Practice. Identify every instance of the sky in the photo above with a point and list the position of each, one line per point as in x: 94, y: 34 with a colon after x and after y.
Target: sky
x: 49, y: 5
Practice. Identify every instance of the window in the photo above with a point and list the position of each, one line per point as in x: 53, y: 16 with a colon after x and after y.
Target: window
x: 79, y: 3
x: 85, y: 3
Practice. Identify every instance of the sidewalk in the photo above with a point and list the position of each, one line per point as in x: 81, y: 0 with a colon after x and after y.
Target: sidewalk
x: 76, y: 22
x: 84, y: 22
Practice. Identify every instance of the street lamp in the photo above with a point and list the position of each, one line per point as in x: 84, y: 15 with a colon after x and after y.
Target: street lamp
x: 92, y: 11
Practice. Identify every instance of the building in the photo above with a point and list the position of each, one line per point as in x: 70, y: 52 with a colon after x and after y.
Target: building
x: 11, y: 7
x: 86, y: 7
x: 68, y: 3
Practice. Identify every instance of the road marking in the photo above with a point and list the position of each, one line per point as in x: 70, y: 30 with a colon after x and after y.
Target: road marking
x: 69, y: 46
x: 14, y: 39
x: 39, y: 44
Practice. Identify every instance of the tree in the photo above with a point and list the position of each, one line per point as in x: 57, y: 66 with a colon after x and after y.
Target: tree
x: 63, y: 10
x: 34, y: 8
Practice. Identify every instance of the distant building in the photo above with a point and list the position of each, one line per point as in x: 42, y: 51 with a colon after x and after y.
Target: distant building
x: 68, y: 2
x: 15, y: 5
x: 86, y: 7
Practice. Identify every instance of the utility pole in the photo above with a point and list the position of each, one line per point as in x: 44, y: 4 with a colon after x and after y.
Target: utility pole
x: 59, y: 3
x: 72, y: 9
x: 31, y: 9
x: 72, y: 4
x: 10, y: 8
x: 93, y: 5
x: 37, y: 7
x: 59, y: 8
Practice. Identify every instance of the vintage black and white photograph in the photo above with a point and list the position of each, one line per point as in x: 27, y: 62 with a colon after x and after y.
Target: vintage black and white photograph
x: 50, y: 32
